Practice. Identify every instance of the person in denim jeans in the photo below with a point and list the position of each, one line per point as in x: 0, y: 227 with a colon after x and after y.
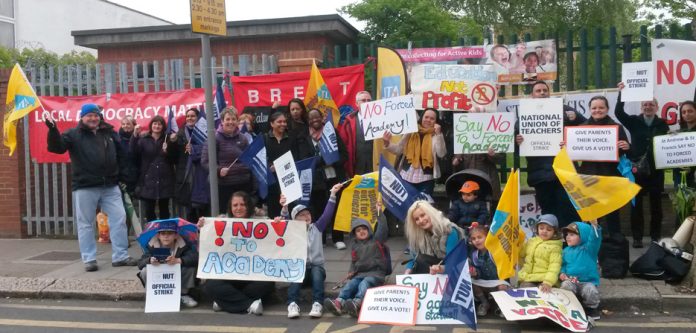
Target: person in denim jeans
x: 315, y: 272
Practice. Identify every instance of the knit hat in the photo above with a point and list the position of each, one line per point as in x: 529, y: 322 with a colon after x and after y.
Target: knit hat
x: 549, y: 219
x: 296, y: 211
x: 89, y: 108
x: 469, y: 186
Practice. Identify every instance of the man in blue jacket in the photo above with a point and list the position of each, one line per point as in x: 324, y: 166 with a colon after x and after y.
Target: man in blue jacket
x: 97, y: 165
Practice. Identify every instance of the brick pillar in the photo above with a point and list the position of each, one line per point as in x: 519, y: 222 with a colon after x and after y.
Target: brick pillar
x: 11, y: 178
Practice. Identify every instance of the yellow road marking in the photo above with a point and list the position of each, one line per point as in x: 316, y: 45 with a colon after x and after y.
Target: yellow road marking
x: 352, y: 328
x: 478, y: 330
x: 138, y: 327
x: 321, y: 328
x: 399, y: 329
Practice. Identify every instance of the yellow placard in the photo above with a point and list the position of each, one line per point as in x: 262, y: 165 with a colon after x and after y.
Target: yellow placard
x: 208, y: 17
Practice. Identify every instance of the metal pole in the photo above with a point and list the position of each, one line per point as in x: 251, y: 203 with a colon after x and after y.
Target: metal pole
x: 212, y: 152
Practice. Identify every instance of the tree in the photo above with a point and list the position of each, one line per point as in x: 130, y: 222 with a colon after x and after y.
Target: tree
x: 40, y: 57
x: 390, y: 21
x: 657, y: 10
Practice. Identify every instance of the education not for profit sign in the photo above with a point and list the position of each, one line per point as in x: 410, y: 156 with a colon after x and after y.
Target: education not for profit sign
x: 454, y: 87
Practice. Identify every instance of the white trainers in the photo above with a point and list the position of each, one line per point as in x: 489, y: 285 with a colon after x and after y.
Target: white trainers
x: 256, y: 308
x: 216, y: 307
x: 340, y: 245
x: 293, y: 310
x: 188, y: 302
x: 317, y: 310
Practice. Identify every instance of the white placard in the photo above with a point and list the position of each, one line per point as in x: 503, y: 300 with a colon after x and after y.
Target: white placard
x: 530, y: 211
x: 638, y: 78
x: 396, y: 115
x: 476, y: 132
x: 559, y: 305
x: 288, y: 177
x: 163, y: 289
x: 430, y: 290
x: 390, y: 305
x: 674, y: 76
x: 675, y: 150
x: 541, y: 125
x: 592, y: 143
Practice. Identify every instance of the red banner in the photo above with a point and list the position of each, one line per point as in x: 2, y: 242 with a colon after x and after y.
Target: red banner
x: 141, y: 106
x: 262, y: 90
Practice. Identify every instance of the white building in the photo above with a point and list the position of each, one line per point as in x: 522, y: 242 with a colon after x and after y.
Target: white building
x: 47, y: 23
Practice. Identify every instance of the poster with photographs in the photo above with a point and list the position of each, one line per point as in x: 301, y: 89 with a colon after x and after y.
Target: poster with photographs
x: 524, y: 62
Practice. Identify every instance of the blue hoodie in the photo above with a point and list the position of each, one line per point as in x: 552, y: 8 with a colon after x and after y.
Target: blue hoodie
x: 580, y: 261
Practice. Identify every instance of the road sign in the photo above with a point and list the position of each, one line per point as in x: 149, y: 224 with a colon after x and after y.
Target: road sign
x: 208, y: 17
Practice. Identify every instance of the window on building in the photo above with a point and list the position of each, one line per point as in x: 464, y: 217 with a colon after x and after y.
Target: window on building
x: 7, y: 8
x: 7, y: 38
x: 150, y: 71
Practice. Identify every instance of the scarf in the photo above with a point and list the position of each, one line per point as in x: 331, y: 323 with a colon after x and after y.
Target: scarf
x: 419, y: 152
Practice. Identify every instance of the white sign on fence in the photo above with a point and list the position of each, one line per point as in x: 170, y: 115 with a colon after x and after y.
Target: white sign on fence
x: 163, y: 288
x: 390, y: 305
x: 476, y: 132
x: 675, y: 76
x: 675, y: 150
x: 592, y: 143
x: 454, y: 87
x: 541, y: 125
x: 430, y: 290
x: 638, y: 78
x: 252, y: 249
x: 396, y: 115
x: 288, y: 177
x: 560, y: 306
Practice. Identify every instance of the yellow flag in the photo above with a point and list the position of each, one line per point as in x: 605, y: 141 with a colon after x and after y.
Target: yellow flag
x: 319, y: 97
x: 21, y: 100
x: 505, y: 237
x: 593, y: 196
x: 358, y: 200
x: 391, y: 82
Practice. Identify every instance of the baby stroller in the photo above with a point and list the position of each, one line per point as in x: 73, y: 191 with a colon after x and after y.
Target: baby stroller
x: 456, y: 180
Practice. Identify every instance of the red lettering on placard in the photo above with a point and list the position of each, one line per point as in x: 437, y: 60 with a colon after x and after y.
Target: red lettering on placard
x: 668, y: 71
x: 670, y: 113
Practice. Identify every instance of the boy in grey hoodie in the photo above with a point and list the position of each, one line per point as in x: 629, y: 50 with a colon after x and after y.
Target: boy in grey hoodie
x: 368, y: 266
x: 315, y: 272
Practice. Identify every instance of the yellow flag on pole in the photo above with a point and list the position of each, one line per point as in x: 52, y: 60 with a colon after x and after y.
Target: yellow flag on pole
x: 505, y: 237
x: 593, y: 196
x: 319, y: 97
x: 21, y: 100
x: 358, y: 199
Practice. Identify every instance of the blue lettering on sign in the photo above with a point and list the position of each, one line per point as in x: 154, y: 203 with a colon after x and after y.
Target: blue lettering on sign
x: 229, y: 263
x: 290, y: 269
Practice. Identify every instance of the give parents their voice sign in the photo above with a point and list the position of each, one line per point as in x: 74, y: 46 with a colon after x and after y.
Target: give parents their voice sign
x: 391, y: 305
x: 476, y: 132
x: 396, y: 115
x: 675, y: 150
x: 541, y: 125
x: 592, y: 143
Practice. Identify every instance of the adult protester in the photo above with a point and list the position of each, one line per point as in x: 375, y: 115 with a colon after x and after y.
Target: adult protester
x: 277, y: 142
x: 238, y: 296
x: 298, y: 124
x: 419, y: 165
x: 431, y: 236
x: 157, y: 158
x: 599, y: 116
x: 687, y: 123
x: 230, y: 143
x: 325, y: 176
x: 246, y: 126
x: 643, y: 129
x: 192, y: 189
x: 351, y: 132
x: 549, y: 193
x: 97, y: 162
x: 130, y: 171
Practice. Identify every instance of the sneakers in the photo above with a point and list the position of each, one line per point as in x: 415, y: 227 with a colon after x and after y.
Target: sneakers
x: 216, y: 307
x: 482, y: 309
x: 293, y: 310
x: 188, y: 302
x: 256, y: 308
x: 317, y: 310
x: 340, y: 245
x: 593, y: 313
x: 352, y: 308
x: 334, y: 305
x: 91, y: 266
x: 125, y: 262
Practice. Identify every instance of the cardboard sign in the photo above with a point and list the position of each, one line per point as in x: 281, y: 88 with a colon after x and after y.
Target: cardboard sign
x: 561, y: 306
x: 476, y: 132
x: 592, y: 143
x: 163, y: 289
x: 430, y: 290
x: 454, y: 87
x: 675, y: 150
x: 638, y: 78
x: 396, y: 115
x: 530, y: 211
x: 288, y: 177
x: 252, y: 249
x: 541, y: 125
x: 390, y: 305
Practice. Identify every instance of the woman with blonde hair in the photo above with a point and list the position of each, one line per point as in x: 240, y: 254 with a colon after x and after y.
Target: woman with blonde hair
x: 430, y: 237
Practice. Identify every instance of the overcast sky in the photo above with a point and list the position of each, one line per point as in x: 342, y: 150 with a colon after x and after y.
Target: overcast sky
x: 178, y: 11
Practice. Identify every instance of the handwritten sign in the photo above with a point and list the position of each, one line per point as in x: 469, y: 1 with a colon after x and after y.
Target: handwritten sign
x: 288, y: 177
x: 391, y: 305
x: 561, y: 306
x: 430, y: 290
x: 675, y: 150
x: 454, y: 87
x: 541, y: 125
x: 163, y: 289
x: 252, y: 249
x: 592, y: 143
x: 530, y: 211
x: 476, y: 132
x: 639, y: 80
x: 396, y: 115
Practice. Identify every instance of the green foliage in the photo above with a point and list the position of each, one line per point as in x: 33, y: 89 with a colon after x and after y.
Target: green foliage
x: 40, y: 57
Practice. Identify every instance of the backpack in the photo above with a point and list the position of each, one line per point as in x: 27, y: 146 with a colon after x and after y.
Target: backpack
x: 386, y: 256
x: 613, y: 256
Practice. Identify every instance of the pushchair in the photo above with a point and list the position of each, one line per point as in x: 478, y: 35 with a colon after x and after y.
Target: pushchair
x: 456, y: 180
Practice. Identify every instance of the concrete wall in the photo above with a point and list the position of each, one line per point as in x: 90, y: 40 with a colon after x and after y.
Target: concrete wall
x: 48, y: 23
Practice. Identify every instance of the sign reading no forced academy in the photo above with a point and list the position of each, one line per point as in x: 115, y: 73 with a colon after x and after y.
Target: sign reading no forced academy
x: 208, y: 17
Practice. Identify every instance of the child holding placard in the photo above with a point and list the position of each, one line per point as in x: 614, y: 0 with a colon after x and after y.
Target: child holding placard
x: 484, y: 274
x: 542, y: 256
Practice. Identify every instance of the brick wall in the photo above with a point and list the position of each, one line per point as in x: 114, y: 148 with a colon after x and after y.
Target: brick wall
x: 11, y: 179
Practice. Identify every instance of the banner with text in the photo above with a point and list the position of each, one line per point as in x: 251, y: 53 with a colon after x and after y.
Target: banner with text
x: 396, y: 115
x: 252, y: 249
x: 389, y: 305
x: 541, y: 125
x: 441, y: 54
x: 561, y: 306
x: 592, y: 143
x: 639, y: 79
x: 675, y: 150
x: 454, y: 87
x: 524, y: 62
x: 430, y: 290
x: 163, y: 288
x: 675, y: 71
x: 476, y: 132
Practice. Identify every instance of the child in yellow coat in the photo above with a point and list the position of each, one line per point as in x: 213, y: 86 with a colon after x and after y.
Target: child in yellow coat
x: 542, y: 256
